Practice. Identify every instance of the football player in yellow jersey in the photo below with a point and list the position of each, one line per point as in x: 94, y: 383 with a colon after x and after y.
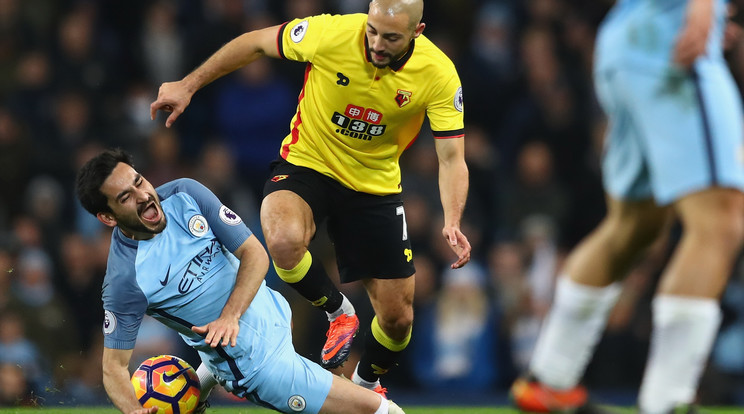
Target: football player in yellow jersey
x: 370, y: 81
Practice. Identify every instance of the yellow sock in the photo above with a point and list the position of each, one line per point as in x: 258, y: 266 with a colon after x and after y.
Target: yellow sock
x: 386, y: 341
x: 295, y: 274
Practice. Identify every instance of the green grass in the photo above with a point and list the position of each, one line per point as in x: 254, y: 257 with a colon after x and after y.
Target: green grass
x: 252, y: 410
x: 237, y: 409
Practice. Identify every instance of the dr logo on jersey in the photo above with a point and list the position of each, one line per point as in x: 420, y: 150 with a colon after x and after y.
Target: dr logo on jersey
x: 343, y: 80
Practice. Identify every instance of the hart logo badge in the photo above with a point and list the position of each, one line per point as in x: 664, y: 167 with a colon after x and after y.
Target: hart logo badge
x: 403, y: 98
x: 279, y: 177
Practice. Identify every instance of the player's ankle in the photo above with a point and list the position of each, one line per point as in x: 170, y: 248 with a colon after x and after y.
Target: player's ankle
x: 384, y: 405
x: 356, y: 379
x: 345, y: 308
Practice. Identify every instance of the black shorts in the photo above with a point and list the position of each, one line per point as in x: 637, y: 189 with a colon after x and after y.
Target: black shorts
x: 368, y: 231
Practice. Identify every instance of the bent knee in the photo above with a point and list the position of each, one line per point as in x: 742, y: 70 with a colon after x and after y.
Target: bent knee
x: 723, y: 228
x: 286, y: 249
x: 633, y: 229
x: 397, y: 327
x: 718, y: 210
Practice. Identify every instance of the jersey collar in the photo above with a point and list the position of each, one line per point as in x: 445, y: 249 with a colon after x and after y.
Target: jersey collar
x: 123, y: 239
x: 398, y: 64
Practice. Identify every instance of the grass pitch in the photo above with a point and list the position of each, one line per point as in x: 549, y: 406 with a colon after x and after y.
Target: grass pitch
x: 237, y: 409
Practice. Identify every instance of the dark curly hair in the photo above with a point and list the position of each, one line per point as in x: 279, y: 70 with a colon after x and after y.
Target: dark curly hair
x: 91, y: 176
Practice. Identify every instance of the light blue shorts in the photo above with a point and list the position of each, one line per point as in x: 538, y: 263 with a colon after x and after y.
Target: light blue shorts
x: 264, y: 367
x: 671, y: 133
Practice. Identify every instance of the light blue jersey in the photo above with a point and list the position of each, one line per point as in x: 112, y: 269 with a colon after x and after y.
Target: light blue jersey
x: 183, y: 277
x: 672, y: 131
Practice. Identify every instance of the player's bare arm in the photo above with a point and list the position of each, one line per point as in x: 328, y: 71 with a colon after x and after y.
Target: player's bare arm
x: 693, y: 39
x: 174, y: 97
x: 453, y: 190
x: 254, y: 263
x: 117, y: 384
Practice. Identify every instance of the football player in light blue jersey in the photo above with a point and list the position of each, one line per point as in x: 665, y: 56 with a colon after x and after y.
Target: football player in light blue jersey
x: 181, y: 256
x: 673, y: 147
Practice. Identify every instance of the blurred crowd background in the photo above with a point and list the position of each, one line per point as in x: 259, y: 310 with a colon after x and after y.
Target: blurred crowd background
x: 78, y: 76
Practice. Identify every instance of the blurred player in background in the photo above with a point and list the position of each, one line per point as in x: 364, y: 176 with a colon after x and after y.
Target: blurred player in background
x: 370, y: 81
x: 674, y: 146
x: 178, y: 254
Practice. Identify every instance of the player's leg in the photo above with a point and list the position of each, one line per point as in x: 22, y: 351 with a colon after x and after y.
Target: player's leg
x: 372, y: 245
x: 585, y: 291
x: 207, y: 382
x: 346, y: 397
x: 692, y: 161
x: 288, y: 226
x: 288, y: 382
x: 686, y: 314
x: 390, y: 330
x: 585, y: 294
x: 713, y: 226
x: 288, y: 214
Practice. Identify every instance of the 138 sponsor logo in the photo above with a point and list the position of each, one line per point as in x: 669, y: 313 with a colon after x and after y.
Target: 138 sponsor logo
x: 358, y: 122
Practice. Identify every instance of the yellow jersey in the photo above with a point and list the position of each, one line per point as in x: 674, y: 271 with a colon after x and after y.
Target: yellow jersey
x: 354, y: 120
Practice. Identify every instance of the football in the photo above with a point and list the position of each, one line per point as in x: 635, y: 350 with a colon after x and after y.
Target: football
x: 167, y: 382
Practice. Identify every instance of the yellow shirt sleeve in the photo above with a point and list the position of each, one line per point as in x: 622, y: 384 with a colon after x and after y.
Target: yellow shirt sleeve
x: 445, y: 111
x: 300, y: 38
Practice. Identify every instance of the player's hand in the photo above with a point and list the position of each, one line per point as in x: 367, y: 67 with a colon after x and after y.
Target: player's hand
x: 224, y: 330
x: 459, y: 244
x: 693, y: 39
x: 173, y: 97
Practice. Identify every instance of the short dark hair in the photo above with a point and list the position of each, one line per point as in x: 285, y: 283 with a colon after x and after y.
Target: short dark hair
x: 91, y: 176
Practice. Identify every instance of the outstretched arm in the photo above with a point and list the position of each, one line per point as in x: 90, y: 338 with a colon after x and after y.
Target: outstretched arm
x: 453, y: 190
x: 117, y: 384
x: 174, y: 97
x: 254, y: 263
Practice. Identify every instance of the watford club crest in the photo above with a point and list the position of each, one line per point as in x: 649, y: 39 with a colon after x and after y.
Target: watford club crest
x: 403, y: 98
